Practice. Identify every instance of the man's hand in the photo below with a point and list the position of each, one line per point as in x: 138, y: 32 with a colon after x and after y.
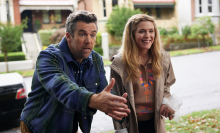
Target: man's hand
x: 167, y: 111
x: 118, y: 117
x: 105, y: 102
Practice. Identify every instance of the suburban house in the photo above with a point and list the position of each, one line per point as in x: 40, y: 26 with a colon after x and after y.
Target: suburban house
x: 50, y: 13
x: 164, y: 11
x: 53, y: 13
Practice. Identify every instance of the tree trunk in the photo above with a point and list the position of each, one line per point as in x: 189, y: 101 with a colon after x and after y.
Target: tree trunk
x: 203, y: 39
x: 6, y: 61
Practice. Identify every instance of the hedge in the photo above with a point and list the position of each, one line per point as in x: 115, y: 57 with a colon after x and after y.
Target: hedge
x: 45, y: 36
x: 13, y: 56
x: 98, y: 50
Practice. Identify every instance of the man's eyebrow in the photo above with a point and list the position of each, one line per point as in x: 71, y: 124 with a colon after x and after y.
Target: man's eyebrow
x: 86, y: 31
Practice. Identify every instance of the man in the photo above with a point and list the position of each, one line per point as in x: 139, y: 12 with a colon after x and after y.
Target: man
x: 68, y: 83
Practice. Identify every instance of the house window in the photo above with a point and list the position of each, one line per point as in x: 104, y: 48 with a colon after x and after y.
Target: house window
x: 58, y: 16
x: 158, y: 14
x: 209, y: 5
x: 7, y: 11
x: 148, y: 11
x: 114, y: 3
x: 200, y: 6
x: 104, y: 8
x: 46, y: 19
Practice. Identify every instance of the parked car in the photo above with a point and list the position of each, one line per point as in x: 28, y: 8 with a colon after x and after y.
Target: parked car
x: 12, y: 96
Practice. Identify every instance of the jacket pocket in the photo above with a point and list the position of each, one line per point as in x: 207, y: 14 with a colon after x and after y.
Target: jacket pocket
x: 91, y: 83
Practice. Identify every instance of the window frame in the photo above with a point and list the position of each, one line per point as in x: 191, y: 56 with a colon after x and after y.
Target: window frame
x: 158, y: 13
x: 8, y: 10
x: 113, y: 5
x: 48, y: 17
x: 104, y: 8
x: 200, y: 6
x: 210, y: 5
x: 55, y: 14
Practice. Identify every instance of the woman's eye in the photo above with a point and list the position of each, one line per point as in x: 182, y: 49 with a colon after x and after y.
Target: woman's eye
x: 81, y: 34
x: 93, y: 35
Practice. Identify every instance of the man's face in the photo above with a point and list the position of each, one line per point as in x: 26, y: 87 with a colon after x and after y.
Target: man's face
x: 82, y: 41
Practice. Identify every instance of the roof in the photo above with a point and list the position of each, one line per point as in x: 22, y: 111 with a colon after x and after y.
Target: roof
x: 46, y: 2
x: 11, y: 79
x: 153, y: 1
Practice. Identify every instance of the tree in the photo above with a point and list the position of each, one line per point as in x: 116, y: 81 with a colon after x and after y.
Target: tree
x: 203, y: 26
x: 186, y: 30
x: 10, y: 38
x: 117, y: 20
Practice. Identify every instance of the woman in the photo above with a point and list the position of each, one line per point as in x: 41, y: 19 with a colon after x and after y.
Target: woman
x: 144, y: 71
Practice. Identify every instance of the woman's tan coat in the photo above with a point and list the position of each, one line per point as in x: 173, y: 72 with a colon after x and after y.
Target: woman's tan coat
x: 162, y: 89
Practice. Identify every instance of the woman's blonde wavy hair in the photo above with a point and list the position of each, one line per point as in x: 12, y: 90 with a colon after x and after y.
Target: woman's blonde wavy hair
x: 129, y: 48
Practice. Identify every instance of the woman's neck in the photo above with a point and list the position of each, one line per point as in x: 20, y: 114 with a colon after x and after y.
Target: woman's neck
x: 144, y: 56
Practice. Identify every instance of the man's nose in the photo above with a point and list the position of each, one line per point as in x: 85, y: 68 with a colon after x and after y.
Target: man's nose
x: 88, y: 39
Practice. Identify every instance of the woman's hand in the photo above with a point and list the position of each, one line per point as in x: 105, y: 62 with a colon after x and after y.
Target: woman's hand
x: 167, y: 111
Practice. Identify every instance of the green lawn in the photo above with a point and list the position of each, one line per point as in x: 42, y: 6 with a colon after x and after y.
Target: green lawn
x: 107, y: 62
x: 194, y: 51
x: 197, y: 122
x: 25, y: 73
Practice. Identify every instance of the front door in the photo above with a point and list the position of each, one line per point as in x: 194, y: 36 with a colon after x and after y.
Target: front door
x: 24, y: 14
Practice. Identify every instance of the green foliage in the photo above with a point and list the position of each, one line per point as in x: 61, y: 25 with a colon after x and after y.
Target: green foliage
x: 173, y: 31
x: 163, y: 31
x: 14, y: 56
x: 196, y: 122
x: 202, y: 26
x: 186, y: 30
x: 117, y: 20
x: 37, y: 24
x: 45, y: 36
x: 98, y: 50
x: 98, y: 42
x: 10, y: 36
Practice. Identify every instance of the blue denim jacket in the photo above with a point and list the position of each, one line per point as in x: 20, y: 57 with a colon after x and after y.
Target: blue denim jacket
x: 61, y: 86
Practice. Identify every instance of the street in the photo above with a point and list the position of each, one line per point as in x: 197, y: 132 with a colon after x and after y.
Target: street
x: 197, y: 84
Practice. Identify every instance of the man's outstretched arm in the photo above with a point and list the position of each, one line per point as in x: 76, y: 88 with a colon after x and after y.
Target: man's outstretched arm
x: 105, y: 102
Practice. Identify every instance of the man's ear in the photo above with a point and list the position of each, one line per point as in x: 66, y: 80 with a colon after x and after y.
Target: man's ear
x: 68, y: 36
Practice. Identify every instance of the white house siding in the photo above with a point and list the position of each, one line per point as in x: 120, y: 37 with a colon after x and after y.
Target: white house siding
x: 215, y: 10
x: 184, y: 13
x: 3, y: 13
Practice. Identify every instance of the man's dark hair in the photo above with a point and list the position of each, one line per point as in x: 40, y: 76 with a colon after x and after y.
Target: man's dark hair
x: 83, y: 16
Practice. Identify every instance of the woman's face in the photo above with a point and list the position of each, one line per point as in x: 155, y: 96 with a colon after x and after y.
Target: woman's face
x: 144, y: 35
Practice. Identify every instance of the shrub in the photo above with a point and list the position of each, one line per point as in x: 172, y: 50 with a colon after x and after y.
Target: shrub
x: 45, y: 35
x: 186, y: 30
x: 162, y: 31
x: 203, y: 26
x: 98, y: 50
x: 173, y: 31
x: 57, y: 36
x: 98, y: 42
x: 117, y: 20
x: 37, y: 24
x: 13, y: 56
